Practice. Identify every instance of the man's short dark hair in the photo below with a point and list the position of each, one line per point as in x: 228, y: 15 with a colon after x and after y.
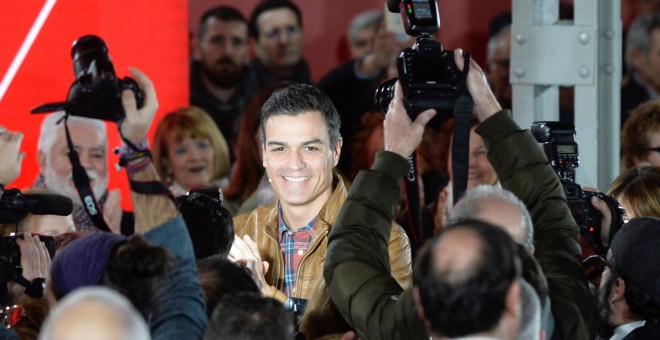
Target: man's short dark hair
x: 473, y: 302
x: 210, y: 226
x: 634, y: 250
x: 250, y: 316
x: 220, y: 276
x: 223, y: 13
x: 266, y: 6
x: 297, y: 99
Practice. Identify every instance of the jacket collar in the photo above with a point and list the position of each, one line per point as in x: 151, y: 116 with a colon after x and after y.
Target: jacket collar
x: 327, y: 214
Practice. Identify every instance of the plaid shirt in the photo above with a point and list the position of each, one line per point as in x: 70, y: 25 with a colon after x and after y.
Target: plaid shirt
x: 294, y: 245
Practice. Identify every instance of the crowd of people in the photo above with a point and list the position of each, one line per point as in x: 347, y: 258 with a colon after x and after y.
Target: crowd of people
x: 271, y: 207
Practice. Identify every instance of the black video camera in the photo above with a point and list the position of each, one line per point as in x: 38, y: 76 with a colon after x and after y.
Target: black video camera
x: 562, y: 151
x: 96, y: 92
x: 428, y: 74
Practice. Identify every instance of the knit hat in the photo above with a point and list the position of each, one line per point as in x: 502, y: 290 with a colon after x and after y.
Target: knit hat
x: 83, y: 262
x: 634, y: 253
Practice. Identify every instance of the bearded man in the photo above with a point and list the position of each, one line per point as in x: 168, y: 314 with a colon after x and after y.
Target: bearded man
x: 55, y: 170
x: 218, y: 69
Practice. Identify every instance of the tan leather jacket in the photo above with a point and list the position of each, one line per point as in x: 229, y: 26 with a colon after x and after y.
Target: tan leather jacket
x: 262, y: 226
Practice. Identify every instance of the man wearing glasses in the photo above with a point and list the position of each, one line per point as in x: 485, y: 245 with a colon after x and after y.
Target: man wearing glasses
x: 640, y: 137
x: 276, y: 27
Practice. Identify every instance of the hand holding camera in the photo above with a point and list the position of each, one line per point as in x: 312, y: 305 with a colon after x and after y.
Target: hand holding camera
x: 35, y: 258
x: 485, y: 103
x: 401, y: 135
x: 138, y: 118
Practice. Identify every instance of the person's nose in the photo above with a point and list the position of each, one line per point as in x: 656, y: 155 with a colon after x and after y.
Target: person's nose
x: 296, y: 161
x: 85, y: 160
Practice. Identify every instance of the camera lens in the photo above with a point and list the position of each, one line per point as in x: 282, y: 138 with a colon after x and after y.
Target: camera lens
x: 90, y: 57
x: 384, y: 95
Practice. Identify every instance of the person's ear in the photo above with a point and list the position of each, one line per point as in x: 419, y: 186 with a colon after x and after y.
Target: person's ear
x: 418, y: 304
x: 618, y: 291
x: 513, y: 300
x: 336, y: 152
x: 42, y: 159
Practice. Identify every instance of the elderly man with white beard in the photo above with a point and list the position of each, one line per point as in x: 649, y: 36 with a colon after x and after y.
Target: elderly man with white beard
x: 55, y: 169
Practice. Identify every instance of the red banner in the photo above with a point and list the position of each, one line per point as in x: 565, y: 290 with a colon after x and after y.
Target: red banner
x: 36, y: 65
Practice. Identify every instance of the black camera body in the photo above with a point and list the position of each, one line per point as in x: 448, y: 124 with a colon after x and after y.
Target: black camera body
x: 561, y: 149
x: 428, y: 74
x: 96, y: 92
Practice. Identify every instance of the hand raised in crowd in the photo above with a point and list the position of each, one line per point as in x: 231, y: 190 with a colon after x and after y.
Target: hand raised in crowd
x: 11, y: 158
x: 35, y: 259
x: 246, y: 253
x: 138, y: 121
x: 401, y: 135
x: 485, y: 103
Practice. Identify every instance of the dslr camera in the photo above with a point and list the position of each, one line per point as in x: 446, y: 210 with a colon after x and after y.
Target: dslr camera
x: 96, y: 92
x: 427, y: 73
x: 561, y: 149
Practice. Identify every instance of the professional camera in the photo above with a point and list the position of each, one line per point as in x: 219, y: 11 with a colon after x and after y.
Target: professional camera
x: 562, y: 151
x: 96, y: 92
x: 14, y: 206
x: 427, y: 73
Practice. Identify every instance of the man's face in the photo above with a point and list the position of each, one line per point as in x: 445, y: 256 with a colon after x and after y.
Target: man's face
x: 299, y: 159
x: 363, y: 42
x: 480, y: 171
x: 56, y: 166
x: 648, y: 66
x: 605, y: 327
x: 498, y: 69
x: 280, y: 41
x: 224, y: 51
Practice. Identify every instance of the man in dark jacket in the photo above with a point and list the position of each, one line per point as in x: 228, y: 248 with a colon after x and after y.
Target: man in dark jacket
x: 356, y: 263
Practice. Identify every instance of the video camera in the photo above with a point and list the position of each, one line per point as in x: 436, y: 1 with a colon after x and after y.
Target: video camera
x: 561, y: 149
x: 427, y: 73
x: 96, y: 92
x: 14, y: 206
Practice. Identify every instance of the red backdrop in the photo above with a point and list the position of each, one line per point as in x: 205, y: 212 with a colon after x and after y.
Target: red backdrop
x: 150, y: 35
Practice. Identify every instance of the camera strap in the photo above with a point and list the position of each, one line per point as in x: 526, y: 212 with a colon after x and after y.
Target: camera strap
x: 460, y: 150
x: 81, y: 181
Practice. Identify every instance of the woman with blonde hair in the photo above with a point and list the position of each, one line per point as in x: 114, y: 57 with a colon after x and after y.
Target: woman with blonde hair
x: 190, y: 151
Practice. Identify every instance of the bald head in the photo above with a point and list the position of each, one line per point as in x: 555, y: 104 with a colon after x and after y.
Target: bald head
x: 472, y: 267
x: 455, y: 255
x: 499, y: 207
x: 94, y: 313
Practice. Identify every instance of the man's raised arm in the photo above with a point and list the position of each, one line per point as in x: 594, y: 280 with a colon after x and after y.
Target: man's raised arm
x: 357, y: 267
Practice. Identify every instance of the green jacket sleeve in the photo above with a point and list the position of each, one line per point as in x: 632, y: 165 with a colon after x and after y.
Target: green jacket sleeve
x: 523, y: 168
x: 357, y: 268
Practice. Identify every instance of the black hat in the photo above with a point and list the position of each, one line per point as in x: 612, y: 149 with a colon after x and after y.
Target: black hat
x: 635, y: 250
